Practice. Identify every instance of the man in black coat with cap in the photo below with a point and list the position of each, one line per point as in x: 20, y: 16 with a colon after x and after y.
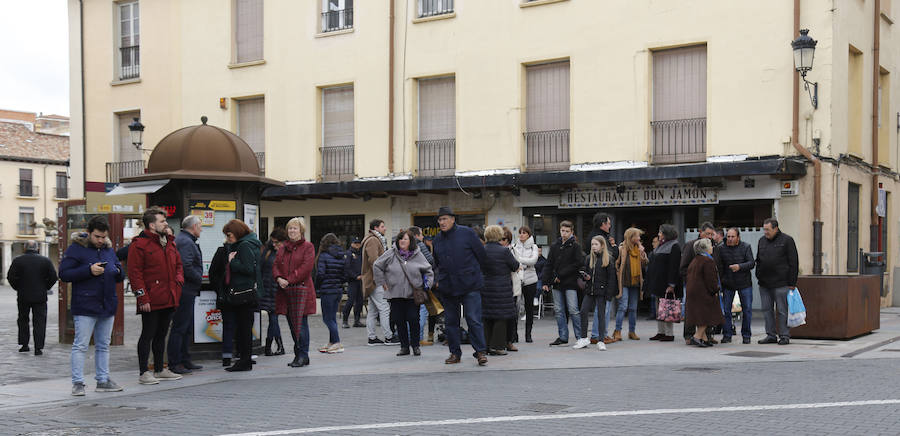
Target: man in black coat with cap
x: 32, y: 275
x: 353, y: 275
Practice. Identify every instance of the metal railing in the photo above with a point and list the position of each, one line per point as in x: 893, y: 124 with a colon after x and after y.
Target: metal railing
x: 337, y: 163
x: 118, y: 170
x: 129, y: 62
x: 26, y: 229
x: 261, y: 160
x: 437, y: 157
x: 547, y: 150
x: 27, y: 190
x: 337, y: 20
x: 62, y: 192
x: 678, y: 141
x: 430, y: 8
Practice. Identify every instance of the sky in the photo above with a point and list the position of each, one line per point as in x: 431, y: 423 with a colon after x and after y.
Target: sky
x: 34, y: 56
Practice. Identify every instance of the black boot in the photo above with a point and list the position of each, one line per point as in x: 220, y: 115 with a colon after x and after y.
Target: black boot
x: 280, y: 350
x: 268, y: 351
x: 297, y: 362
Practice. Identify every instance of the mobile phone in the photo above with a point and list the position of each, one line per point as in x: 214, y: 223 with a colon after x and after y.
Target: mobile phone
x: 102, y: 264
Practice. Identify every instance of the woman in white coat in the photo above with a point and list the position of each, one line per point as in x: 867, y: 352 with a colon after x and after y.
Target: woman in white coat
x: 526, y: 253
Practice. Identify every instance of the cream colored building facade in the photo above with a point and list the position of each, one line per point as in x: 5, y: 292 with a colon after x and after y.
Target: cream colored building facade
x: 502, y: 108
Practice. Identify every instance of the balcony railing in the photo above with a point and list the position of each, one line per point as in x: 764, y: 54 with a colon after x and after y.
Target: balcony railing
x: 130, y: 62
x: 337, y: 163
x: 337, y: 20
x: 118, y: 170
x: 678, y: 141
x: 26, y: 229
x: 430, y: 8
x: 62, y: 192
x: 261, y: 160
x: 28, y: 190
x: 547, y: 150
x: 437, y: 157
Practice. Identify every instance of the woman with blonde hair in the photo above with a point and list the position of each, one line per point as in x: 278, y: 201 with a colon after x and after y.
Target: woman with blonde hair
x: 296, y: 295
x: 630, y: 266
x: 600, y: 272
x: 497, y: 303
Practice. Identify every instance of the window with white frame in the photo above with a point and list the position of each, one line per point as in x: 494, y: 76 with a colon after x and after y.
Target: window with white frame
x: 251, y: 126
x: 337, y: 133
x: 430, y: 8
x: 129, y: 42
x: 337, y: 15
x: 26, y: 187
x: 248, y: 30
x: 436, y: 142
x: 26, y: 221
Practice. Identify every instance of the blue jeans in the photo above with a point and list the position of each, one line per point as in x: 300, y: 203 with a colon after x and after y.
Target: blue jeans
x: 471, y: 303
x: 423, y: 319
x: 101, y: 329
x: 595, y: 330
x: 330, y: 303
x: 566, y: 301
x: 746, y: 297
x: 301, y: 343
x: 628, y: 303
x: 179, y: 345
x: 274, y: 330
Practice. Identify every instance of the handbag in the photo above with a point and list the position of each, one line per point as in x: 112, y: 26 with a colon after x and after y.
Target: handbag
x: 419, y: 295
x: 796, y: 309
x: 241, y: 297
x: 669, y: 309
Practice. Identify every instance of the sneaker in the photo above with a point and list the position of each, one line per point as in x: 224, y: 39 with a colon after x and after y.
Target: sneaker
x: 558, y: 341
x: 601, y: 346
x: 345, y: 325
x: 726, y: 339
x: 181, y: 369
x: 784, y: 340
x: 78, y: 389
x: 581, y: 343
x: 667, y: 339
x: 523, y: 318
x: 335, y: 348
x: 746, y: 340
x: 107, y: 386
x: 392, y: 341
x: 768, y: 340
x: 147, y: 378
x: 166, y: 375
x: 324, y: 348
x: 375, y: 341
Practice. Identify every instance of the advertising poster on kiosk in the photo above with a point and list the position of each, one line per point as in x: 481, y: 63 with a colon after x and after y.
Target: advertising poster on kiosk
x: 208, y: 320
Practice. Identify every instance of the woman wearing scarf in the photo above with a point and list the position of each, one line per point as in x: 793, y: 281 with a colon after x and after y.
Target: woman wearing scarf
x: 630, y: 266
x: 702, y: 291
x: 399, y: 270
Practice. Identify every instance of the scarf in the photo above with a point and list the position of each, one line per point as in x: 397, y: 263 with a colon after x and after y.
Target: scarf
x: 404, y: 254
x: 384, y: 243
x: 634, y: 262
x: 163, y: 240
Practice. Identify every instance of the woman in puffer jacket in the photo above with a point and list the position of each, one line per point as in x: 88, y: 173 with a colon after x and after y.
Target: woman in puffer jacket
x: 600, y: 272
x: 330, y: 280
x: 526, y: 253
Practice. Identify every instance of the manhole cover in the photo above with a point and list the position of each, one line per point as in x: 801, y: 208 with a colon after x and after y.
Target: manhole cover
x: 98, y: 413
x: 754, y: 354
x: 544, y: 407
x: 697, y: 369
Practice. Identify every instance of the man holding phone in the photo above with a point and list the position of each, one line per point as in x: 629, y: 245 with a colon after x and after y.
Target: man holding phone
x: 91, y: 266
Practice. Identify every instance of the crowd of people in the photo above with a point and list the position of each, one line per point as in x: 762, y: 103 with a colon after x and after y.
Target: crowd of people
x: 488, y: 275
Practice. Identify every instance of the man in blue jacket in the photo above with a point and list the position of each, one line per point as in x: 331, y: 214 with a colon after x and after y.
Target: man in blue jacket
x: 458, y: 255
x: 183, y: 320
x: 91, y: 266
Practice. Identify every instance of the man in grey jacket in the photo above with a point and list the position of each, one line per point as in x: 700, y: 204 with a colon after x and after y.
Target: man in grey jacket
x: 183, y: 320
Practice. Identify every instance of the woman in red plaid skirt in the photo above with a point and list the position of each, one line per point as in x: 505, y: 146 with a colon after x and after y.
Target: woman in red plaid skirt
x: 296, y: 295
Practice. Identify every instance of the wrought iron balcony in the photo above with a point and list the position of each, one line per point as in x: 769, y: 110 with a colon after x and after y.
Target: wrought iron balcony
x: 129, y: 62
x: 337, y: 20
x: 547, y: 150
x: 26, y: 189
x: 62, y: 192
x: 26, y: 229
x: 118, y: 170
x: 430, y: 8
x: 337, y: 163
x: 437, y: 157
x: 678, y: 141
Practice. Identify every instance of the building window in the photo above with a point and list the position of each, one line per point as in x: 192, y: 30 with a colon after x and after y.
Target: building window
x: 437, y: 127
x: 852, y: 227
x: 430, y: 8
x: 251, y: 115
x: 62, y: 185
x: 128, y: 158
x: 129, y: 21
x: 337, y: 15
x: 678, y: 127
x: 337, y: 133
x: 248, y: 30
x: 26, y: 188
x: 345, y: 227
x: 26, y: 221
x: 547, y: 117
x: 855, y: 110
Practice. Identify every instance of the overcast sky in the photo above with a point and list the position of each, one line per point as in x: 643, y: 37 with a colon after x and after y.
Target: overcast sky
x: 34, y: 56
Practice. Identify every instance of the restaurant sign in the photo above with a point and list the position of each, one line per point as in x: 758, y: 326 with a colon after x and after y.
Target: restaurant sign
x: 639, y: 195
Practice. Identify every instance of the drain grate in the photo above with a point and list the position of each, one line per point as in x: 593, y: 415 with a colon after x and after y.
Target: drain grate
x: 544, y: 407
x: 98, y: 413
x: 761, y: 354
x: 697, y: 369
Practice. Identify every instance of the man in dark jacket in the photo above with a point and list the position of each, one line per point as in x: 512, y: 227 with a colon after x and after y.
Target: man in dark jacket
x: 90, y: 265
x: 777, y: 267
x: 734, y: 260
x: 707, y: 231
x: 458, y: 255
x: 561, y: 273
x: 32, y: 275
x: 353, y: 276
x: 183, y: 319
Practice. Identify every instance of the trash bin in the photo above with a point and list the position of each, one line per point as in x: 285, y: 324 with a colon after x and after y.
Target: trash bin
x: 872, y: 263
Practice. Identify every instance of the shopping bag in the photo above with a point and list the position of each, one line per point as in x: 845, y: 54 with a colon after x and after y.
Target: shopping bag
x: 796, y: 309
x: 669, y: 309
x: 433, y: 305
x: 736, y: 304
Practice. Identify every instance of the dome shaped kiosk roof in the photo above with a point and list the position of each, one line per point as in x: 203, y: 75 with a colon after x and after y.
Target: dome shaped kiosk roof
x: 203, y: 152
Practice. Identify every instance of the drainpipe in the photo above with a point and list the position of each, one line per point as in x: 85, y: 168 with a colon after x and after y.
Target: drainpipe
x: 817, y: 164
x: 83, y: 114
x: 875, y: 226
x: 391, y: 90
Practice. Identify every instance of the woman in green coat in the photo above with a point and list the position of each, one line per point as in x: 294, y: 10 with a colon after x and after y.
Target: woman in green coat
x: 242, y: 275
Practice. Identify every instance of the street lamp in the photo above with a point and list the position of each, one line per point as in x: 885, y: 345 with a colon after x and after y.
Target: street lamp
x: 137, y: 132
x: 804, y: 51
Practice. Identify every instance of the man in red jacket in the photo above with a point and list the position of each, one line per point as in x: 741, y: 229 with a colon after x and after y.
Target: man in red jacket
x: 154, y: 267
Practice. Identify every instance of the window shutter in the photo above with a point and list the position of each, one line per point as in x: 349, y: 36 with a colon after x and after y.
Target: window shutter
x: 437, y: 108
x: 337, y: 116
x: 547, y: 100
x: 248, y: 30
x: 679, y: 83
x: 24, y: 175
x: 252, y: 123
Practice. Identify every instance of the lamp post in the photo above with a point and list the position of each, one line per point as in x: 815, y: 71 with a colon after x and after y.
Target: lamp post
x: 137, y: 133
x: 804, y: 51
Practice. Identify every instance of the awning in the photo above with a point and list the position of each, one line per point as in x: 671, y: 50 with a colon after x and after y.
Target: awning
x: 142, y: 187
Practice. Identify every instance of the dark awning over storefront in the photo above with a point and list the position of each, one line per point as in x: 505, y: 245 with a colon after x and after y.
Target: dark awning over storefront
x: 543, y: 181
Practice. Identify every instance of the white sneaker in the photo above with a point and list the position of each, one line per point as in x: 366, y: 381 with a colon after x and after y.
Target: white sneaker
x: 581, y: 343
x: 335, y: 348
x: 147, y: 378
x: 166, y: 375
x: 601, y: 346
x: 523, y: 318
